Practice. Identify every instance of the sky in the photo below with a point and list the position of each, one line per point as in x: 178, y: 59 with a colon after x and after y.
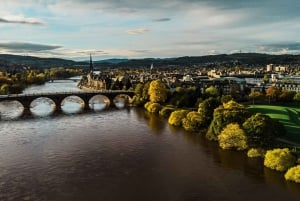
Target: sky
x: 73, y: 29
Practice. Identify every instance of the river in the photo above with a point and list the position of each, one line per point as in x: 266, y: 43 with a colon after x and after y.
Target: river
x: 125, y: 155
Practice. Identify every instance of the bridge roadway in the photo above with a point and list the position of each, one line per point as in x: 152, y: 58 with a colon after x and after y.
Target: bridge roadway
x: 58, y: 97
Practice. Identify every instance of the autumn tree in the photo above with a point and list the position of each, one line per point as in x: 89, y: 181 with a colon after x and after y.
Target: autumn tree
x: 255, y: 95
x: 293, y: 174
x: 193, y: 121
x: 177, y: 116
x: 273, y: 93
x: 279, y: 159
x: 231, y: 112
x: 232, y: 136
x: 157, y: 91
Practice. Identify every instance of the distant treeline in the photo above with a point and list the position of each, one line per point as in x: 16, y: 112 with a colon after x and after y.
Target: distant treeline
x: 245, y: 59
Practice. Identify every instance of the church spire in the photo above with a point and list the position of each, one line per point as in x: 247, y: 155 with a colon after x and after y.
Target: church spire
x: 91, y: 64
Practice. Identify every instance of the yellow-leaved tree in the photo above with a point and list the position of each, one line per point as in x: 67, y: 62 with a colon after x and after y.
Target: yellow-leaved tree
x: 232, y: 136
x: 157, y: 91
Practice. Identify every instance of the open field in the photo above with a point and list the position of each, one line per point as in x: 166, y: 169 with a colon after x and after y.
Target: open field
x: 288, y: 115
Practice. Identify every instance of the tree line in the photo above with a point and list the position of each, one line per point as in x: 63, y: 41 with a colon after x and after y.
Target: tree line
x: 223, y: 120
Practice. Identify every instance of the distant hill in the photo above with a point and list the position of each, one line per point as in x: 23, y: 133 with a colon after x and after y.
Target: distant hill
x: 111, y: 61
x: 7, y: 60
x: 245, y: 59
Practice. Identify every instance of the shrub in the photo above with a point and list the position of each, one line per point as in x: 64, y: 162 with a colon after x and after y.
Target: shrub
x: 256, y: 152
x: 279, y: 159
x: 293, y: 174
x: 154, y: 107
x: 193, y: 121
x: 176, y: 117
x: 166, y: 111
x: 232, y: 136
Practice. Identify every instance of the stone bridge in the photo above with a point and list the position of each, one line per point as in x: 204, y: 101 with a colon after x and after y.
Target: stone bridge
x: 58, y: 97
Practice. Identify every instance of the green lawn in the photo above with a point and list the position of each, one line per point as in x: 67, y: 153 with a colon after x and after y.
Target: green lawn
x: 288, y: 115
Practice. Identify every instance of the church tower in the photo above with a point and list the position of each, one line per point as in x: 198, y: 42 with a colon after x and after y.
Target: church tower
x: 91, y: 64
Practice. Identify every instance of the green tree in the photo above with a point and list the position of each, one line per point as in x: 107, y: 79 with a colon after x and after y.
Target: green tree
x: 206, y: 109
x: 262, y: 130
x: 232, y: 136
x: 266, y: 79
x: 279, y: 159
x: 212, y: 91
x: 226, y: 98
x: 157, y: 91
x: 4, y: 89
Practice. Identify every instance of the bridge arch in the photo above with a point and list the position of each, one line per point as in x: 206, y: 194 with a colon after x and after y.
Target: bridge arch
x: 99, y: 102
x: 70, y: 100
x: 121, y: 100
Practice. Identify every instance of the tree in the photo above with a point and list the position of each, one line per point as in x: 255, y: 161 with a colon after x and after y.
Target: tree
x: 231, y: 112
x: 279, y: 159
x: 157, y: 91
x: 176, y: 117
x: 262, y: 130
x: 273, y: 93
x: 255, y: 95
x: 297, y: 97
x: 206, y: 109
x: 212, y: 91
x: 232, y: 136
x: 293, y: 174
x: 287, y: 96
x: 266, y: 79
x: 193, y: 121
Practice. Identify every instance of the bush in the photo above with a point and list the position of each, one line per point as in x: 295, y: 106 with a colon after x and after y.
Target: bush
x: 279, y: 159
x: 293, y: 174
x: 176, y: 117
x: 232, y: 136
x: 166, y: 111
x: 256, y: 152
x: 193, y: 121
x: 153, y: 107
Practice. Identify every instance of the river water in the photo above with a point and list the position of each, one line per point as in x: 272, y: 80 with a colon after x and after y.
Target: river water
x: 125, y: 154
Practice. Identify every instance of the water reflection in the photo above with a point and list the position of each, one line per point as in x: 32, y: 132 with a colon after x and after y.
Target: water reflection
x: 99, y: 103
x: 10, y: 110
x: 72, y: 105
x: 42, y: 107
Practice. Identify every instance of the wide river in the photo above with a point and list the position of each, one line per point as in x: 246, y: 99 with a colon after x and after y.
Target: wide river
x: 125, y: 155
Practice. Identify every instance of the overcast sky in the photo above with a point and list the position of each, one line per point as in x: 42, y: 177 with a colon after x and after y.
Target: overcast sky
x: 148, y: 28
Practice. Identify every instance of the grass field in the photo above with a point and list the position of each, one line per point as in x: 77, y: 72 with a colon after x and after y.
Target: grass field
x: 289, y: 116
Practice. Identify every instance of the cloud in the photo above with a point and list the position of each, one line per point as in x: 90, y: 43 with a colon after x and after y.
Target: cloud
x: 21, y: 21
x: 162, y: 19
x: 279, y: 47
x: 137, y: 31
x: 24, y: 47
